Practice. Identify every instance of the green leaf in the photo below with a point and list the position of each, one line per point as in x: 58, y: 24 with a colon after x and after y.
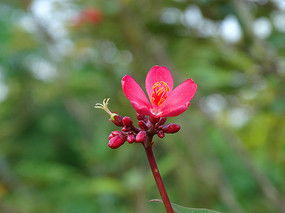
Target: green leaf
x: 182, y: 209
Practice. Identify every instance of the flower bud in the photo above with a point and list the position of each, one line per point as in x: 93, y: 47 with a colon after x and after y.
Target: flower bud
x: 160, y: 134
x: 140, y: 116
x: 143, y: 125
x: 171, y: 128
x: 161, y: 121
x: 110, y: 136
x: 114, y: 133
x: 116, y: 141
x: 141, y: 136
x: 153, y: 120
x: 127, y: 121
x: 126, y: 129
x: 117, y: 120
x: 131, y: 138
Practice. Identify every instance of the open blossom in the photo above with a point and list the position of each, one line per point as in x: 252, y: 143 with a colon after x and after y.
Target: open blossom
x: 164, y: 101
x: 152, y: 113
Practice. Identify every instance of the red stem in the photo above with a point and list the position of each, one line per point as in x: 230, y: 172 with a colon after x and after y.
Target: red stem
x: 158, y: 179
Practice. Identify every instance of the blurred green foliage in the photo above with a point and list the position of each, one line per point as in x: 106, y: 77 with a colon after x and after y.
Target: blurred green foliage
x: 230, y: 153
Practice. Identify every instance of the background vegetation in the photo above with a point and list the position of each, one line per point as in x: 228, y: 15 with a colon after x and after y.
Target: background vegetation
x: 57, y: 61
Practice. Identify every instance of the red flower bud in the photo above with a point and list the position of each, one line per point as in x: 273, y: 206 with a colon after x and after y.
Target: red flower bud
x: 140, y: 116
x: 142, y: 125
x: 141, y: 136
x: 110, y: 136
x: 171, y: 128
x: 114, y: 133
x: 131, y: 138
x: 153, y: 120
x: 160, y: 134
x: 127, y: 121
x: 116, y: 141
x: 126, y: 129
x: 161, y: 121
x: 117, y: 120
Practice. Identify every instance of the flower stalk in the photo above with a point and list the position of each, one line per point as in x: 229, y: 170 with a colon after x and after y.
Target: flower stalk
x: 157, y: 178
x: 148, y: 127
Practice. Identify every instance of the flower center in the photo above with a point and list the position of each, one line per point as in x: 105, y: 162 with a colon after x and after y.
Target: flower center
x: 159, y: 94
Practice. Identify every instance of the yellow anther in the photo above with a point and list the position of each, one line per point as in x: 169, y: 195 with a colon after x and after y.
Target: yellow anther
x: 159, y: 92
x: 104, y: 106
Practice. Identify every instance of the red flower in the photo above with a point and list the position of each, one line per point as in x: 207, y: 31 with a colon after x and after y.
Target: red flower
x: 164, y: 102
x: 89, y: 15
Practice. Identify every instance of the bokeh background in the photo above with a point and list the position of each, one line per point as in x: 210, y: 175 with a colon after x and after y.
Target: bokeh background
x: 60, y: 57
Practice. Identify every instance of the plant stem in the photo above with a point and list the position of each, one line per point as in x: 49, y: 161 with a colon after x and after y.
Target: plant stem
x: 158, y: 179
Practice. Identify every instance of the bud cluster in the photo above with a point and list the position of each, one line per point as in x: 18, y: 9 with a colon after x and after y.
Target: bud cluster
x: 147, y: 127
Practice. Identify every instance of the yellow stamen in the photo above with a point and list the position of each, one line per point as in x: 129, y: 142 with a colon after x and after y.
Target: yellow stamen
x: 159, y: 94
x: 104, y: 106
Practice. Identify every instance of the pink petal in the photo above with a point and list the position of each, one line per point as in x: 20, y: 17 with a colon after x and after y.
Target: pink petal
x: 136, y: 95
x: 157, y: 74
x: 175, y: 110
x: 179, y: 99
